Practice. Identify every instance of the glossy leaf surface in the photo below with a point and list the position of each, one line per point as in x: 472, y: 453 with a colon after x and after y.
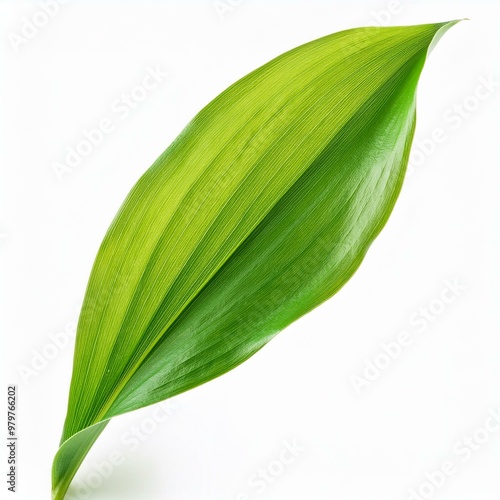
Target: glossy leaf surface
x: 260, y: 210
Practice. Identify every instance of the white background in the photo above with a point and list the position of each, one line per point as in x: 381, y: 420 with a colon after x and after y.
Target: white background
x: 377, y: 444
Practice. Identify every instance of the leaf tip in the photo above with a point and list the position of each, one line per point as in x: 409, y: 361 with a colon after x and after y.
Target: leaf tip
x: 441, y: 30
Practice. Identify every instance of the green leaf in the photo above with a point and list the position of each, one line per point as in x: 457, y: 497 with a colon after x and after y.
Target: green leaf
x: 261, y: 209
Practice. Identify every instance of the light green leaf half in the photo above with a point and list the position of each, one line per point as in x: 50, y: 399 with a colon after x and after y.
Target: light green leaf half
x: 260, y: 210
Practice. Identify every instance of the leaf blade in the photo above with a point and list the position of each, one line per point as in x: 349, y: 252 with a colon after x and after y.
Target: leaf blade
x: 143, y: 299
